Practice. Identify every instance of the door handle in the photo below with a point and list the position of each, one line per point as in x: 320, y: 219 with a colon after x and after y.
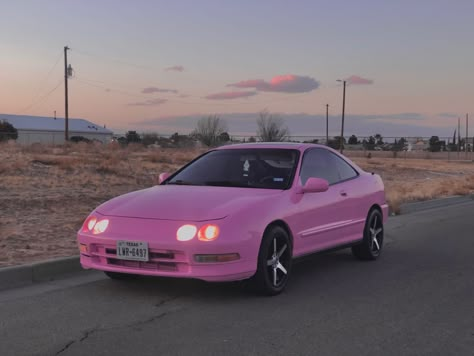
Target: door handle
x: 343, y: 193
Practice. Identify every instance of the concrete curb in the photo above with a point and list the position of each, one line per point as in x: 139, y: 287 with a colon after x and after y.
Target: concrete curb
x: 434, y: 203
x: 16, y: 276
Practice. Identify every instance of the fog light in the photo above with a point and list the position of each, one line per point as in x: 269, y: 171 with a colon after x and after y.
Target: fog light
x: 83, y: 248
x: 228, y: 257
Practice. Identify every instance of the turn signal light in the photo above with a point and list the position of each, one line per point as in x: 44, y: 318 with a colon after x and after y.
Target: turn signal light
x: 208, y: 232
x: 83, y: 248
x: 228, y: 257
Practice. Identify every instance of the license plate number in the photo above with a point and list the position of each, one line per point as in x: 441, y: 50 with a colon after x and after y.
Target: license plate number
x: 132, y: 250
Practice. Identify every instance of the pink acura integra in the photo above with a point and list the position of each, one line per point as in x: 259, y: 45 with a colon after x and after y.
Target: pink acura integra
x: 239, y: 212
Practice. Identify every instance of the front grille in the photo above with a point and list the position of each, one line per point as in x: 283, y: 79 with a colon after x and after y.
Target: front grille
x: 159, y: 260
x: 157, y: 266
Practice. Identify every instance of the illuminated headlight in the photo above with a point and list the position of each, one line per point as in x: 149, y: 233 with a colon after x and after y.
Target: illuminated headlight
x: 186, y: 232
x: 96, y: 227
x: 208, y: 232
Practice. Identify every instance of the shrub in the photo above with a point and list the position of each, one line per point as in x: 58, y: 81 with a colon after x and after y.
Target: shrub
x: 7, y: 131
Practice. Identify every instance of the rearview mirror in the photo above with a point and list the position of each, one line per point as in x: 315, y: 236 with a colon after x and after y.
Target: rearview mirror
x: 315, y: 185
x: 162, y: 177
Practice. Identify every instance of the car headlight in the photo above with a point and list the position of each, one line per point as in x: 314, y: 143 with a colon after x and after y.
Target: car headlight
x: 95, y: 226
x: 186, y: 232
x: 208, y: 232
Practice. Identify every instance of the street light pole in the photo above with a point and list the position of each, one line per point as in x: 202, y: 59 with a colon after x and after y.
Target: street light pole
x: 327, y: 124
x: 341, y: 148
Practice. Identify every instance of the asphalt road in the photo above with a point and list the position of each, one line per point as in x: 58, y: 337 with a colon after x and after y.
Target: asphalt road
x: 417, y: 299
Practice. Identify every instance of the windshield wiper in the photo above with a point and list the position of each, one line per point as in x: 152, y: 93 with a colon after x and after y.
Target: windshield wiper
x: 227, y: 183
x: 180, y: 182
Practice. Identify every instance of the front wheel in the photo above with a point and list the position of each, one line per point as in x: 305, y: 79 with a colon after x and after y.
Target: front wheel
x: 274, y: 262
x: 372, y: 243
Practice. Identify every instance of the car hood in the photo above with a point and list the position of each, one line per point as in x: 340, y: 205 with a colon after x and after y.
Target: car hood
x: 188, y: 203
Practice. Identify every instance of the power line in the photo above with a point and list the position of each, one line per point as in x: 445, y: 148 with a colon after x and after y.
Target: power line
x: 108, y: 59
x: 41, y: 99
x: 40, y: 86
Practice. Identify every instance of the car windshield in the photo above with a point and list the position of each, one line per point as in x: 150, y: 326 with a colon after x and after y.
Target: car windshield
x: 248, y: 168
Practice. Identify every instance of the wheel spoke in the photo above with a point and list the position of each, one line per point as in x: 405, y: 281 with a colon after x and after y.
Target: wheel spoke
x: 376, y: 243
x: 274, y: 276
x: 281, y: 268
x: 274, y: 247
x: 375, y: 222
x: 270, y: 262
x: 281, y: 251
x: 378, y: 231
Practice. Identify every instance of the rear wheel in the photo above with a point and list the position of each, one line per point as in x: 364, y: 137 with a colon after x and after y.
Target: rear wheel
x: 372, y: 243
x: 274, y: 262
x: 120, y: 276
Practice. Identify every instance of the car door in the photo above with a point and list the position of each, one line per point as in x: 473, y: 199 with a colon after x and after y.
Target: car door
x: 320, y: 217
x: 354, y: 210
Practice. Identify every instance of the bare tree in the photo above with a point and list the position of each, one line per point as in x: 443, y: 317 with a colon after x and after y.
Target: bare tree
x: 271, y: 128
x: 209, y: 130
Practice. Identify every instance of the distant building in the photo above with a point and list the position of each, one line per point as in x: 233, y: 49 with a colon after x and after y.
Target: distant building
x: 418, y: 145
x: 49, y: 130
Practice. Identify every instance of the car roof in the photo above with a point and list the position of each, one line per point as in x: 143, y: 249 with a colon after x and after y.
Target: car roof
x: 267, y: 145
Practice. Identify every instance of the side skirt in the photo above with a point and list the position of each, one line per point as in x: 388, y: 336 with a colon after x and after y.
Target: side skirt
x: 331, y: 249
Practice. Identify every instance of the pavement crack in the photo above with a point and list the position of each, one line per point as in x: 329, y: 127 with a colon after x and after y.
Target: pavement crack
x: 164, y: 301
x: 135, y: 324
x: 65, y: 347
x: 146, y: 321
x: 88, y: 333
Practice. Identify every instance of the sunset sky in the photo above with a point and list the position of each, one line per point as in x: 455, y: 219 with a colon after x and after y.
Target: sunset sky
x: 161, y: 65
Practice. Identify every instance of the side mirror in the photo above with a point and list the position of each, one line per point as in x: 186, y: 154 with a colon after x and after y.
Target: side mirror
x: 315, y: 185
x: 162, y: 177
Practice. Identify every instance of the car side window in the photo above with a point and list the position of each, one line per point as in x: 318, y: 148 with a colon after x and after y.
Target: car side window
x: 345, y: 169
x: 318, y: 163
x: 321, y: 163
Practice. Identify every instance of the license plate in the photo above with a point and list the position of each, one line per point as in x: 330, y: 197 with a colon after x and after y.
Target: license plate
x: 132, y: 250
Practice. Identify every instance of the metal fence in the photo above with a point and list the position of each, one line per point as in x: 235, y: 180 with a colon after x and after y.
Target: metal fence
x: 413, y: 147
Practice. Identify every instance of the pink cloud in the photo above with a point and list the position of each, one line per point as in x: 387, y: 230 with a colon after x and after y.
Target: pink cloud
x: 150, y: 90
x: 289, y: 83
x: 177, y: 68
x: 355, y: 79
x: 149, y: 102
x: 231, y: 95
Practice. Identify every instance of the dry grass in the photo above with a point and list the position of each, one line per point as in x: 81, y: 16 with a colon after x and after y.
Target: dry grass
x: 409, y: 180
x: 46, y: 192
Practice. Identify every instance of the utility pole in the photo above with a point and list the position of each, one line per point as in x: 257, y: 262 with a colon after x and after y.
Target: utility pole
x: 66, y: 104
x: 343, y: 112
x: 327, y: 124
x: 467, y: 129
x: 459, y: 135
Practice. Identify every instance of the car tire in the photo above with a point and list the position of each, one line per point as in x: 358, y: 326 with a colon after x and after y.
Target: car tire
x: 120, y: 276
x: 371, y: 246
x: 274, y: 262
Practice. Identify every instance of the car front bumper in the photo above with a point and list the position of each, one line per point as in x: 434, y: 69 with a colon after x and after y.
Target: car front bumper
x: 167, y: 256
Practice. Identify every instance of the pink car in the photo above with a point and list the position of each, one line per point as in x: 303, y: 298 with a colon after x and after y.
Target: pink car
x: 239, y: 212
